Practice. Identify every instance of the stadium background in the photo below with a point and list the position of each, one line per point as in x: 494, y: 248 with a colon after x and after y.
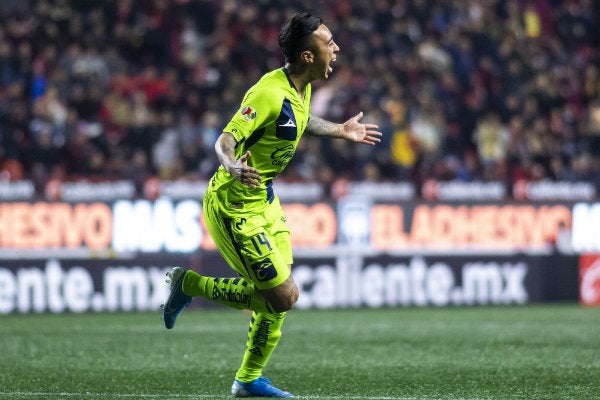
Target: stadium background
x: 484, y: 190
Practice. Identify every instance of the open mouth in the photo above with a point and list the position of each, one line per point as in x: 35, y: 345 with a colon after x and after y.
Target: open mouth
x: 329, y: 68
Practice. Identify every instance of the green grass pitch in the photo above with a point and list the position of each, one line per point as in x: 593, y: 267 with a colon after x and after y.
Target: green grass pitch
x: 500, y: 353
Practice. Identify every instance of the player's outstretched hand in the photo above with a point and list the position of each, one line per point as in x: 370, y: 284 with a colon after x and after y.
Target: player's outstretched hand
x: 361, y: 133
x: 244, y: 173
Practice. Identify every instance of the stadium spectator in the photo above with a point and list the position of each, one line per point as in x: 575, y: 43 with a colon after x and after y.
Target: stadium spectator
x: 110, y: 69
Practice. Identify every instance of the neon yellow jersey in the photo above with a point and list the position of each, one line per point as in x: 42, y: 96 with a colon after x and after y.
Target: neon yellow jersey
x: 269, y: 123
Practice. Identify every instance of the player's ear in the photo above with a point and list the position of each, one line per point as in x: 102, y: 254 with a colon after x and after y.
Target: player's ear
x: 307, y: 56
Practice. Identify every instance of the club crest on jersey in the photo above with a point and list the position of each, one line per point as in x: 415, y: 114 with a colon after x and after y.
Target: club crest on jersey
x: 248, y: 113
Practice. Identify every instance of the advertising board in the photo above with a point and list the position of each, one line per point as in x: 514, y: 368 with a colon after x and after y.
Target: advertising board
x: 342, y: 281
x: 589, y: 279
x: 169, y: 226
x: 108, y: 256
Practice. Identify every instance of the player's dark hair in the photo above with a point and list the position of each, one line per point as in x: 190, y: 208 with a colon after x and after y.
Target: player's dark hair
x: 294, y: 34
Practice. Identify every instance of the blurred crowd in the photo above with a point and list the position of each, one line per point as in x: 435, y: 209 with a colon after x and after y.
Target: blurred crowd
x: 470, y: 90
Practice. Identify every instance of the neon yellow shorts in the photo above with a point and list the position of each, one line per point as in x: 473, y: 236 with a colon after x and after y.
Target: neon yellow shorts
x: 255, y: 242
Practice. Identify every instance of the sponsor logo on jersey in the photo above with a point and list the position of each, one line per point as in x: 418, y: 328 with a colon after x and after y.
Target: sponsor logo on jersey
x: 289, y: 123
x: 248, y: 113
x: 264, y: 270
x: 282, y: 155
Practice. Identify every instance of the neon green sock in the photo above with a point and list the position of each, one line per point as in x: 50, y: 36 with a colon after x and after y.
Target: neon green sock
x: 232, y: 292
x: 263, y: 336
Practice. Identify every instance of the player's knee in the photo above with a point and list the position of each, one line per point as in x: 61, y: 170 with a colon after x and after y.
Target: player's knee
x: 292, y: 299
x: 285, y: 301
x: 285, y: 304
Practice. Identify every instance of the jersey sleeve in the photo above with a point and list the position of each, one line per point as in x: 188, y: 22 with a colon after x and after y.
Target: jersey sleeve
x: 257, y: 110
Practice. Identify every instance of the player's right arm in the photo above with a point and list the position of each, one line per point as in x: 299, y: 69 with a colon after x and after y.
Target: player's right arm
x: 256, y: 111
x: 238, y: 168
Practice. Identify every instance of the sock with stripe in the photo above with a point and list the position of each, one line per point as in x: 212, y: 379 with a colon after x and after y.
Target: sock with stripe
x: 263, y: 336
x: 232, y: 292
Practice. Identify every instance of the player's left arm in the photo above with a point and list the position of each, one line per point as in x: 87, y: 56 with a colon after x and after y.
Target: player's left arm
x: 351, y: 130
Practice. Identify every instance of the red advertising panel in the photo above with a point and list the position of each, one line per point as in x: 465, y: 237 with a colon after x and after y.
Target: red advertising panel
x: 589, y: 279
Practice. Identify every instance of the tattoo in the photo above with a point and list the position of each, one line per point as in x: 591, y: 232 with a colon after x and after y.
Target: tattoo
x: 317, y: 126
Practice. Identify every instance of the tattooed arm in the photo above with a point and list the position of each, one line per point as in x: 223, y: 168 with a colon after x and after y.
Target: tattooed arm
x: 238, y: 168
x: 351, y: 130
x: 317, y: 126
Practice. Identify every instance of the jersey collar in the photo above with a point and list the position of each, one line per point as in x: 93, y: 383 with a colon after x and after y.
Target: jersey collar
x: 287, y: 75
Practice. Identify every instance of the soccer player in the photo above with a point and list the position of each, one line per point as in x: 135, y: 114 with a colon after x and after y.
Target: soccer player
x: 243, y: 214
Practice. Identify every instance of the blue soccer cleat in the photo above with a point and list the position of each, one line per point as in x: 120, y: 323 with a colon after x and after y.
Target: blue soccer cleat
x: 177, y: 300
x: 260, y: 387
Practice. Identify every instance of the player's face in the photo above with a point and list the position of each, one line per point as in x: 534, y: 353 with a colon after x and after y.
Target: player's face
x: 324, y: 50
